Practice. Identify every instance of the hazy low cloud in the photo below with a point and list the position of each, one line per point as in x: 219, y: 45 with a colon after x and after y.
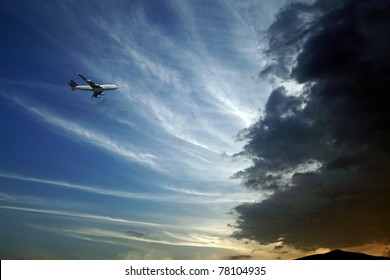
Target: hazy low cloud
x: 322, y: 154
x: 240, y: 257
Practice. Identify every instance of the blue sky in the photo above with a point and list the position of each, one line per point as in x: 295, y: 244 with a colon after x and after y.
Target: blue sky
x: 289, y: 98
x: 143, y: 172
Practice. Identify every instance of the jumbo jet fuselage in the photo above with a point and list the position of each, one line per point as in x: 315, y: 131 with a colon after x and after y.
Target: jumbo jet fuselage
x: 97, y: 89
x: 100, y: 89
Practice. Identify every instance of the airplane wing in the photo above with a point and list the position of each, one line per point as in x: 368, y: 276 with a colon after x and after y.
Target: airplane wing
x: 92, y: 84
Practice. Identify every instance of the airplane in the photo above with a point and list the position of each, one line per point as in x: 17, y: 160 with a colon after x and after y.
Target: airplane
x: 96, y: 88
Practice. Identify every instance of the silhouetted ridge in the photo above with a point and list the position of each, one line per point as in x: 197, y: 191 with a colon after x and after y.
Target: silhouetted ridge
x: 342, y: 255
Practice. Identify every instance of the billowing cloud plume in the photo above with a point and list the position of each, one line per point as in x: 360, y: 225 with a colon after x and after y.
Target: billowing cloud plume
x: 322, y: 154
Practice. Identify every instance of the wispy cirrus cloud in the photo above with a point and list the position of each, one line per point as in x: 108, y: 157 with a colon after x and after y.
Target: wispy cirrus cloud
x: 183, y: 88
x: 187, y: 237
x: 170, y: 82
x: 176, y: 194
x: 86, y: 216
x: 172, y: 240
x: 124, y: 150
x: 154, y: 233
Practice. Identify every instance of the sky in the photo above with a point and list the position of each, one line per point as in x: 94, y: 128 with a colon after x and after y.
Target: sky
x: 240, y: 129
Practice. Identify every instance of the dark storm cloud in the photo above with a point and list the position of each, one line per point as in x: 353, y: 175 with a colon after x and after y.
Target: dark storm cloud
x: 284, y: 32
x: 323, y: 155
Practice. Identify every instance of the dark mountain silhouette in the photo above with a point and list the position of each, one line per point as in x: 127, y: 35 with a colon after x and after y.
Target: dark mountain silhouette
x: 342, y: 255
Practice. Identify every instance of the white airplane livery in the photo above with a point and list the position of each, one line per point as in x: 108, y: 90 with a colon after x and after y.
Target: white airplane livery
x: 97, y: 89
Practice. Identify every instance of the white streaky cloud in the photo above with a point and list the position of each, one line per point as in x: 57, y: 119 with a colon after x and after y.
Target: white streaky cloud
x: 93, y: 137
x: 8, y: 198
x: 147, y: 63
x: 188, y: 112
x: 176, y: 236
x: 245, y: 247
x: 180, y: 197
x: 200, y: 238
x: 78, y: 187
x: 189, y: 191
x: 198, y: 71
x: 110, y: 234
x: 88, y: 216
x: 22, y: 199
x: 155, y: 69
x: 114, y: 220
x: 177, y: 124
x: 25, y: 200
x: 219, y: 195
x: 186, y: 92
x: 122, y: 238
x: 203, y: 86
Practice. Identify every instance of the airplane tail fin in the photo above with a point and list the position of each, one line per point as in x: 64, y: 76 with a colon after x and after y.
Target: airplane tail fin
x: 72, y: 84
